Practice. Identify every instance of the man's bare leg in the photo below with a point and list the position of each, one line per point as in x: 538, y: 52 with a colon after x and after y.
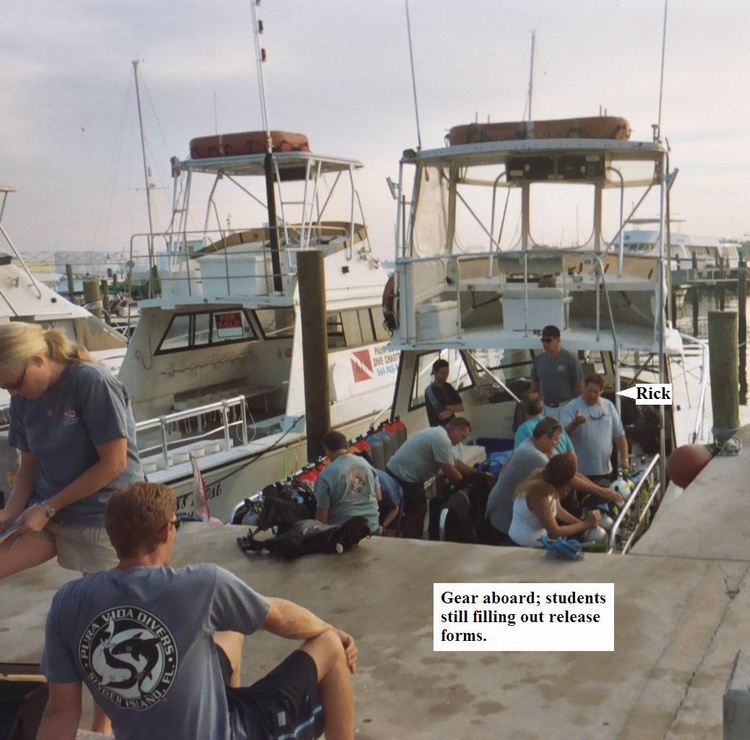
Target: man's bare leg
x: 100, y: 722
x: 231, y: 644
x: 334, y: 684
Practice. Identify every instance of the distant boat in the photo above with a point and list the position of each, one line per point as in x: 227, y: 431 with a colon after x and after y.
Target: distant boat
x: 685, y: 251
x: 214, y: 366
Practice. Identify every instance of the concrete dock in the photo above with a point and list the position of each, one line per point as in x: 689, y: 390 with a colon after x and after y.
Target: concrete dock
x: 682, y: 601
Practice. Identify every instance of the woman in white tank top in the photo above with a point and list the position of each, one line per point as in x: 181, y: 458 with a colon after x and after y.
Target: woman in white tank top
x: 535, y: 509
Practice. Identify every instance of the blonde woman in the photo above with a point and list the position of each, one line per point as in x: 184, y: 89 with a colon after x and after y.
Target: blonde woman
x: 72, y: 422
x: 536, y: 509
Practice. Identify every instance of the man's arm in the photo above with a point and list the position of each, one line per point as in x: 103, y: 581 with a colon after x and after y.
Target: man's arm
x: 584, y: 485
x: 321, y: 515
x: 62, y: 713
x: 453, y: 472
x: 621, y: 443
x: 287, y: 619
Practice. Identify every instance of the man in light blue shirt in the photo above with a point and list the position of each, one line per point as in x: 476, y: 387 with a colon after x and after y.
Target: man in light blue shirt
x: 532, y: 403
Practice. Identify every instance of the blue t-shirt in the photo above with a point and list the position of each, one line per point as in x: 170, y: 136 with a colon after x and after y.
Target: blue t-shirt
x: 347, y: 488
x: 85, y: 408
x: 141, y: 640
x: 391, y: 494
x: 525, y: 431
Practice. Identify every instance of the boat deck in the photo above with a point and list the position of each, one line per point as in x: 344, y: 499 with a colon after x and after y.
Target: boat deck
x: 681, y: 605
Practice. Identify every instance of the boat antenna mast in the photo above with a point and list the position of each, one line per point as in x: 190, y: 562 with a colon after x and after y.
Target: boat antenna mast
x: 413, y: 76
x: 657, y: 131
x: 531, y: 75
x: 147, y: 183
x: 268, y: 165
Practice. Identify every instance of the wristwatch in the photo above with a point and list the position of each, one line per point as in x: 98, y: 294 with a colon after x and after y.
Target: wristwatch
x: 48, y: 510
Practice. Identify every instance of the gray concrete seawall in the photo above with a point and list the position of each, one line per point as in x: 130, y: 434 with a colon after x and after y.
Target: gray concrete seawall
x: 682, y: 601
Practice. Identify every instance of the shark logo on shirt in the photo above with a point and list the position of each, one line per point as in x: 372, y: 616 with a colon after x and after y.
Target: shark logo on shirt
x: 130, y: 656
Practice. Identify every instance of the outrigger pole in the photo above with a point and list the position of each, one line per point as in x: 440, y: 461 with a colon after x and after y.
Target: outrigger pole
x: 268, y: 167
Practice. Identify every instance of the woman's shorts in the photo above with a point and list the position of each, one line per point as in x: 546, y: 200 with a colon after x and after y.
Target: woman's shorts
x: 82, y: 548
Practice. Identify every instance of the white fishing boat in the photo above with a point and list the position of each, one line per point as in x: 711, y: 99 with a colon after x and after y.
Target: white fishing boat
x: 24, y: 297
x: 466, y: 291
x: 701, y: 256
x: 214, y: 367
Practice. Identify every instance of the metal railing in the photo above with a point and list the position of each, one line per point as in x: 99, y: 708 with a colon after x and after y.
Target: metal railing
x: 233, y: 415
x: 635, y: 510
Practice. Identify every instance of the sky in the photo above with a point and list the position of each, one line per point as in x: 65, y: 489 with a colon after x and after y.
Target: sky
x: 339, y: 72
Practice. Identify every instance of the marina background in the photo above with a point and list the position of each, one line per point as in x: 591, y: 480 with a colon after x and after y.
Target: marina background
x: 338, y: 71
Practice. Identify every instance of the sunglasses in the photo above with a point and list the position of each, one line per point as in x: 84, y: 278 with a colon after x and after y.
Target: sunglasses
x: 18, y: 384
x: 175, y: 523
x: 547, y: 340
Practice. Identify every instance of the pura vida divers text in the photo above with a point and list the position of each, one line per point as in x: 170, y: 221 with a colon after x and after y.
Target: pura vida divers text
x: 524, y: 616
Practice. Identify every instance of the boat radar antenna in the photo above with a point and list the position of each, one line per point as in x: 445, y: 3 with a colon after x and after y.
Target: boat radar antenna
x: 657, y: 130
x: 531, y: 74
x: 147, y: 184
x: 413, y: 77
x: 260, y: 58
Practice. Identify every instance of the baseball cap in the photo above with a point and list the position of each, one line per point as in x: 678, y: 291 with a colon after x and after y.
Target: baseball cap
x: 551, y: 331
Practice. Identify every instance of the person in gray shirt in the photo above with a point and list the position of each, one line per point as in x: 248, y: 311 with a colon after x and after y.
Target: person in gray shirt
x: 531, y: 454
x: 160, y: 648
x: 556, y: 373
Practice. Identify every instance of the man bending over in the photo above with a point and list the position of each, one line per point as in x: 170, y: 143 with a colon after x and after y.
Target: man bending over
x: 160, y: 648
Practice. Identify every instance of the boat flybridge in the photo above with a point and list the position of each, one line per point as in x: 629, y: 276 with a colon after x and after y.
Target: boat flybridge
x: 481, y: 268
x: 214, y: 366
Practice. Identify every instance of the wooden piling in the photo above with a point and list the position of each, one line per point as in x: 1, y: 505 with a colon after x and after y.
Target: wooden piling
x: 71, y: 281
x: 312, y: 299
x: 742, y: 316
x: 92, y: 296
x: 724, y: 366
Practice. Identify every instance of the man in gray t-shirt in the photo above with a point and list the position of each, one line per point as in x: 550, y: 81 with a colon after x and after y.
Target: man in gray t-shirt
x: 556, y: 373
x: 160, y: 648
x: 531, y: 454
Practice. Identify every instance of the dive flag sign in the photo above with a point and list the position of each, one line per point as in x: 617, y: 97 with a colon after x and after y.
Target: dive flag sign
x: 649, y: 394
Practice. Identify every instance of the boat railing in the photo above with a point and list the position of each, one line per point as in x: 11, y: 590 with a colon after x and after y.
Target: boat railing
x: 697, y: 433
x: 239, y: 262
x: 17, y: 255
x: 635, y: 514
x: 233, y: 420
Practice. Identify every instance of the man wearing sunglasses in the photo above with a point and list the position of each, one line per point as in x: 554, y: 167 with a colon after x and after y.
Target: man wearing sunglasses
x: 556, y: 373
x: 160, y: 648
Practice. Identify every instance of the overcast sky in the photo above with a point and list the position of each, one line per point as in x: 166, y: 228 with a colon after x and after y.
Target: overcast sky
x: 338, y: 71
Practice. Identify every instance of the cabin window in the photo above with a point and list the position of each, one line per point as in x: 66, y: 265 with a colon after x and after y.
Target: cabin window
x: 206, y: 329
x: 360, y: 328
x: 459, y: 376
x: 335, y: 331
x: 202, y: 329
x: 355, y: 327
x: 276, y: 323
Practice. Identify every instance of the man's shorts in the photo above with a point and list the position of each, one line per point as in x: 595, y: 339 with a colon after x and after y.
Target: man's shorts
x: 284, y: 703
x: 82, y: 548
